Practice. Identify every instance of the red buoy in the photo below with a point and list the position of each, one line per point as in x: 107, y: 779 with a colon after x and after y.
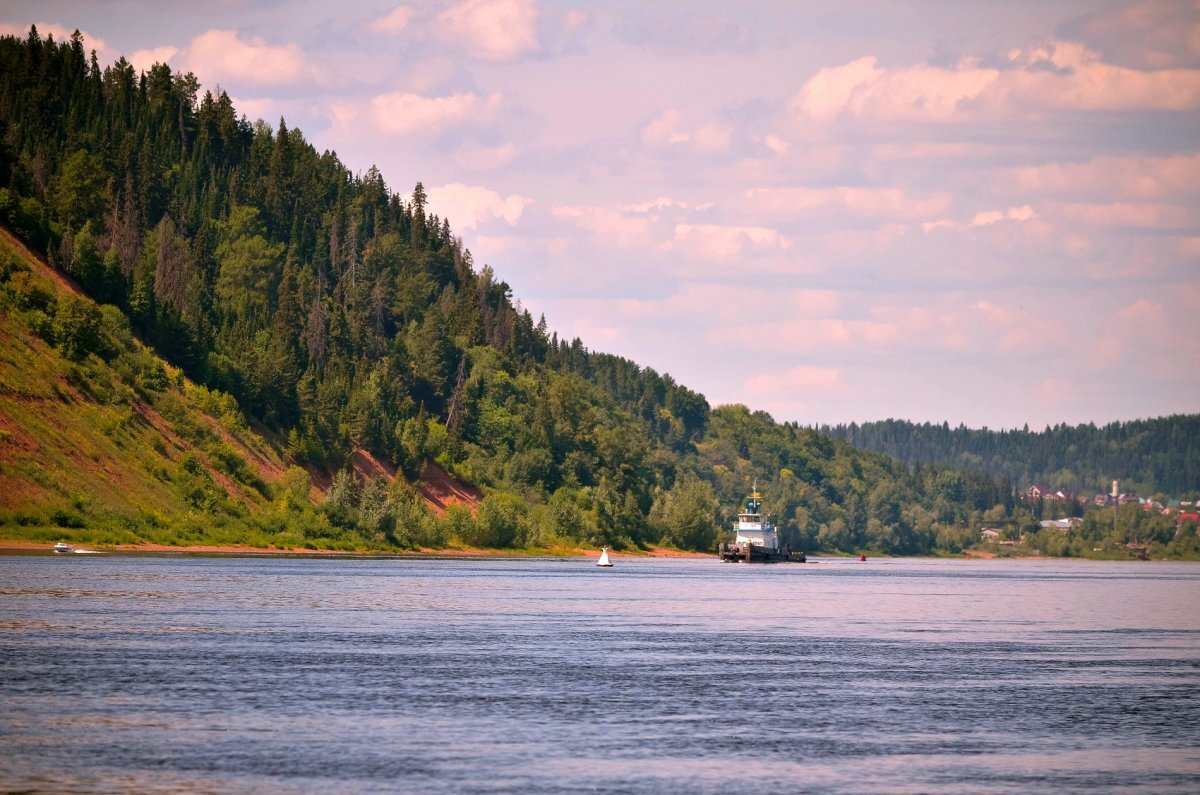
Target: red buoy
x: 862, y: 558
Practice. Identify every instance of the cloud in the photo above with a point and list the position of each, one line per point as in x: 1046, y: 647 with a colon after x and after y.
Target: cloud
x: 142, y: 60
x: 803, y: 379
x: 989, y: 217
x: 663, y: 203
x: 610, y: 224
x: 889, y: 202
x: 1131, y: 177
x: 492, y: 30
x: 861, y: 88
x: 1059, y: 76
x: 466, y: 206
x: 1055, y: 391
x: 775, y: 144
x: 402, y: 113
x: 60, y: 35
x: 1110, y: 215
x: 984, y: 218
x: 1151, y: 34
x: 218, y: 56
x: 684, y: 34
x: 719, y: 242
x: 474, y: 157
x: 393, y: 22
x: 667, y: 129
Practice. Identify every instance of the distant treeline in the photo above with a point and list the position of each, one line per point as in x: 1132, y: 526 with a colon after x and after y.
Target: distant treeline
x: 1152, y: 456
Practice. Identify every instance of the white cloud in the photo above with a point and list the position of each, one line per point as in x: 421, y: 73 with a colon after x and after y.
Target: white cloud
x: 403, y: 113
x: 466, y: 206
x: 493, y: 30
x: 393, y: 22
x: 220, y: 56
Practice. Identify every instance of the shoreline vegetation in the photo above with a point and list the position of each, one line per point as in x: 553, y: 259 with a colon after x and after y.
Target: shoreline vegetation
x: 16, y: 547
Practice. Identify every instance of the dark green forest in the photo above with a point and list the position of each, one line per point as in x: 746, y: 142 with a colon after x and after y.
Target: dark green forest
x: 1150, y: 457
x: 341, y: 315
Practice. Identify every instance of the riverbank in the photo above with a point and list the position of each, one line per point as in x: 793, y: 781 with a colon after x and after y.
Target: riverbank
x: 7, y: 546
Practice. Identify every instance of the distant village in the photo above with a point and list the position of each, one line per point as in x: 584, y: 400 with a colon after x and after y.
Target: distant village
x: 1183, y: 510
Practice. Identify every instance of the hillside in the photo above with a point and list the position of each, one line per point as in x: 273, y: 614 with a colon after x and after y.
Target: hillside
x: 255, y: 345
x: 104, y: 442
x: 1151, y: 456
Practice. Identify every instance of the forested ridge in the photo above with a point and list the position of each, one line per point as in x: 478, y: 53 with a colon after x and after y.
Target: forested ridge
x: 1148, y: 456
x: 323, y: 315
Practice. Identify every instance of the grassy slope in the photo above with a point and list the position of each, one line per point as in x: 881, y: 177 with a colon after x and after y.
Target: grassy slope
x: 79, y: 446
x: 85, y: 456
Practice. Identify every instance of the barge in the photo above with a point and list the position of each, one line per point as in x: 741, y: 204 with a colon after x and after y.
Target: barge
x: 756, y: 540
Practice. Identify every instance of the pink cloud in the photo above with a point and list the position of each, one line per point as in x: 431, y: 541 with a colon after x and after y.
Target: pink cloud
x: 610, y: 224
x: 1124, y: 177
x: 218, y: 56
x: 1061, y: 75
x: 61, y: 34
x: 668, y: 129
x: 484, y: 158
x: 468, y: 205
x: 492, y: 30
x: 1129, y: 214
x: 889, y: 203
x: 1055, y: 391
x: 719, y: 242
x: 393, y: 22
x: 804, y: 379
x: 142, y: 60
x: 989, y: 217
x: 403, y: 113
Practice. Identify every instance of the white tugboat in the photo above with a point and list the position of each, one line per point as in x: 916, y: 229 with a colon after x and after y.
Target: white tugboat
x: 756, y: 539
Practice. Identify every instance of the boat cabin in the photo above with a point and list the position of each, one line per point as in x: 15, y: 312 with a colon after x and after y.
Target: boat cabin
x: 752, y: 528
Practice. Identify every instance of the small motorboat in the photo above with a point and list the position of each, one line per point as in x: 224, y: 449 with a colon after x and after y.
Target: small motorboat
x: 604, y: 561
x: 63, y: 548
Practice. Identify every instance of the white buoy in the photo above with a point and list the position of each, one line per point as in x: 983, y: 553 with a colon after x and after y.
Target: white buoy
x: 604, y: 561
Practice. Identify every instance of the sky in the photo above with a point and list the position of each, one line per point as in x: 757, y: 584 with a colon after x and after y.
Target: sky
x: 984, y: 213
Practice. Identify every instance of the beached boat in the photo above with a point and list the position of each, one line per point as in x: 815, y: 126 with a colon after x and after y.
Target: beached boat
x: 604, y: 561
x: 756, y: 540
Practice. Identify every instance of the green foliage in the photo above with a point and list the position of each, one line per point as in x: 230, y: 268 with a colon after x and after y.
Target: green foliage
x: 77, y: 327
x: 687, y: 515
x: 1148, y: 456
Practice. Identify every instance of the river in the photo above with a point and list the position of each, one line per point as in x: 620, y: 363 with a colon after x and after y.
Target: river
x: 272, y: 674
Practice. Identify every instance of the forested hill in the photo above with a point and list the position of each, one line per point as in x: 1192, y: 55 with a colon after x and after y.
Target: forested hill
x: 320, y: 319
x: 1154, y: 456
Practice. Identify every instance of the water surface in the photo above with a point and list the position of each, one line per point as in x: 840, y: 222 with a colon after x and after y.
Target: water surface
x: 350, y: 675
